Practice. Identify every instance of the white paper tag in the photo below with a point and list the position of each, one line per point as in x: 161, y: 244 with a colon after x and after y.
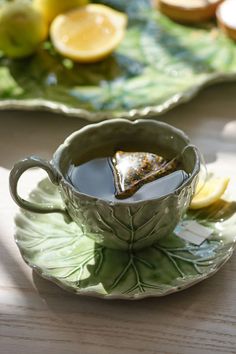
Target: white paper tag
x: 193, y: 232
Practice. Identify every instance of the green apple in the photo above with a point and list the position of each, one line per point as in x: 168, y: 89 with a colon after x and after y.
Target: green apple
x: 22, y: 28
x: 51, y: 8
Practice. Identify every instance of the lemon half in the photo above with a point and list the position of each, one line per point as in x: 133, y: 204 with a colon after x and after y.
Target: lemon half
x: 211, y: 191
x: 88, y: 33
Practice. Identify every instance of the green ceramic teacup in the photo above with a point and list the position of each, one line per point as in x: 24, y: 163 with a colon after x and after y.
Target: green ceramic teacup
x: 118, y: 225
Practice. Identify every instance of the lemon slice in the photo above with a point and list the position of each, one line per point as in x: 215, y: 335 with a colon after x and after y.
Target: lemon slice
x: 209, y: 193
x: 88, y: 33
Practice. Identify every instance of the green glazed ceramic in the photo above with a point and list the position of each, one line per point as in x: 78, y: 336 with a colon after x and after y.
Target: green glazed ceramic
x: 118, y: 225
x: 61, y: 253
x: 158, y: 65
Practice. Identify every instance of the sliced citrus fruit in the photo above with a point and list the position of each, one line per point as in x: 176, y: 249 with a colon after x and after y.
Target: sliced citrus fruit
x: 226, y: 17
x: 89, y: 33
x: 209, y: 193
x: 189, y: 11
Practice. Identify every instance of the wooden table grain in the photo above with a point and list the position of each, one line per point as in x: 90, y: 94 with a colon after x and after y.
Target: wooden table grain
x: 38, y: 317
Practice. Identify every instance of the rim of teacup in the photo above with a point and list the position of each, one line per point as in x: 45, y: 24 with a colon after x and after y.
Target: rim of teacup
x: 58, y: 153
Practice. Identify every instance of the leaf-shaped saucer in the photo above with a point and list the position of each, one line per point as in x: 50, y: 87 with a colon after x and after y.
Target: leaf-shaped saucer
x: 61, y: 253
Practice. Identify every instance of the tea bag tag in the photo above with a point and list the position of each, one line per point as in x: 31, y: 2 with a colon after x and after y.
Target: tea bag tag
x: 193, y: 232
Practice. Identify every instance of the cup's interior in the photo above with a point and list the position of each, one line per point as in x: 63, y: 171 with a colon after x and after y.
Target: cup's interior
x: 102, y: 140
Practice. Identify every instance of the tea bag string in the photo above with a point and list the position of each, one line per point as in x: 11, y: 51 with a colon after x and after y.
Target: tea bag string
x: 203, y: 174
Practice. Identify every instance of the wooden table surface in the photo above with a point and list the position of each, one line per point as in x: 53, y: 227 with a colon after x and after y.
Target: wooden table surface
x: 38, y: 317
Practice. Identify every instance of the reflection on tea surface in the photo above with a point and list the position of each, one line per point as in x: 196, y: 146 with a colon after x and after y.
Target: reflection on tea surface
x: 127, y: 176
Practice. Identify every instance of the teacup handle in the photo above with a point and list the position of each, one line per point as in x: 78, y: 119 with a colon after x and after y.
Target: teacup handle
x: 15, y: 174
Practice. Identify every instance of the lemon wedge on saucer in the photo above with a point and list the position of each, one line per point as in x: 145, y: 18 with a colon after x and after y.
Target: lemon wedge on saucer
x: 89, y: 33
x: 209, y: 193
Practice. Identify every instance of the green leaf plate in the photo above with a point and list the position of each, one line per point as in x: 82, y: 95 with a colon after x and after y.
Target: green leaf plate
x: 61, y: 253
x: 158, y: 65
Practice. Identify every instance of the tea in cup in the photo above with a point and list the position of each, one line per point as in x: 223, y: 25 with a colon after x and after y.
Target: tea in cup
x: 126, y: 184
